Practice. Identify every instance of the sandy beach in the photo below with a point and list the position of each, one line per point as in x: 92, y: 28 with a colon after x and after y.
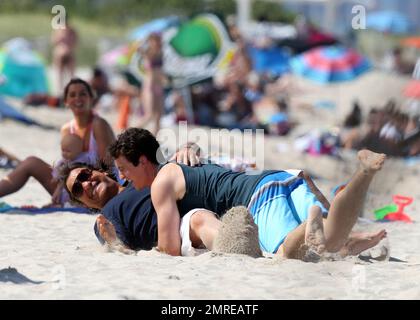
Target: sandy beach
x: 57, y: 256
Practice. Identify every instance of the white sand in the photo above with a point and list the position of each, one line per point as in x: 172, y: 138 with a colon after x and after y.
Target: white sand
x: 60, y: 250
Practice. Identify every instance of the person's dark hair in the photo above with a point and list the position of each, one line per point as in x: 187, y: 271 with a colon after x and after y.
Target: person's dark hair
x: 67, y: 167
x: 78, y: 81
x: 390, y: 106
x: 397, y: 51
x: 354, y: 119
x: 282, y: 105
x: 133, y: 143
x: 98, y: 72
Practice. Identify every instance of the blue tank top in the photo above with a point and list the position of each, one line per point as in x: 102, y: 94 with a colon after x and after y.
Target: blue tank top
x: 215, y: 188
x: 134, y: 218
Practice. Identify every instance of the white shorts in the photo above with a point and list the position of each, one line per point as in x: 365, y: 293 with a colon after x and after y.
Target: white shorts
x: 187, y: 249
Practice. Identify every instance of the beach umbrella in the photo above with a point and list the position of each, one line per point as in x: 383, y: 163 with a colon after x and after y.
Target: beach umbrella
x: 116, y: 56
x: 389, y: 22
x: 141, y: 32
x: 193, y: 51
x: 330, y: 64
x: 412, y: 90
x: 315, y: 38
x: 119, y: 56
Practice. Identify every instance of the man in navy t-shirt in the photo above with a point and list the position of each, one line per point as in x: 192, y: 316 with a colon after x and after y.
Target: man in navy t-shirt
x: 133, y: 217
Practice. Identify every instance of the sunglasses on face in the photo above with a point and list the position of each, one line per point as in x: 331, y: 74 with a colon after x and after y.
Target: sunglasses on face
x: 77, y: 189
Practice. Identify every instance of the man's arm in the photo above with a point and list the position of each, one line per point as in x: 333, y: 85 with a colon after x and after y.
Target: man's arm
x: 168, y: 187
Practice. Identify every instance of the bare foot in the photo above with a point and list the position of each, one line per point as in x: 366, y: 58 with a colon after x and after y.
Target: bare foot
x: 106, y: 230
x: 108, y: 233
x: 360, y: 242
x: 371, y: 161
x: 314, y: 245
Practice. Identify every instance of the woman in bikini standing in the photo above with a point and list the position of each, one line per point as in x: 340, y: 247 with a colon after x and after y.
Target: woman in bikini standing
x: 152, y: 92
x: 64, y: 43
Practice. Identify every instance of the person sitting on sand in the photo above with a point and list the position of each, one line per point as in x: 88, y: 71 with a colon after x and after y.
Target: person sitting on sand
x: 99, y: 83
x: 350, y: 131
x: 95, y: 132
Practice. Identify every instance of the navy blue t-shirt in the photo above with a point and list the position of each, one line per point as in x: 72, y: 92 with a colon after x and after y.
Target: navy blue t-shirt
x: 134, y: 218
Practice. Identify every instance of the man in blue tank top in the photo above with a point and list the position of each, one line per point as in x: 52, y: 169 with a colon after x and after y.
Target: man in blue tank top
x: 279, y: 201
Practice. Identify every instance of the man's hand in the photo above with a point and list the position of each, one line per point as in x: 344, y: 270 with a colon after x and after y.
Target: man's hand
x: 188, y: 155
x: 55, y: 199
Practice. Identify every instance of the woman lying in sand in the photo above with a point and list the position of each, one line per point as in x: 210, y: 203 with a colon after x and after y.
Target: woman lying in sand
x: 94, y: 131
x: 129, y: 217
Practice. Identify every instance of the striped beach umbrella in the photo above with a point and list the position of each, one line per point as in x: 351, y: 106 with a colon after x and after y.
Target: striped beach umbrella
x: 330, y: 64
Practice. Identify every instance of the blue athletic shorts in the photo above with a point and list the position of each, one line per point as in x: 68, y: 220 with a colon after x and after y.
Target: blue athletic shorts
x: 279, y: 204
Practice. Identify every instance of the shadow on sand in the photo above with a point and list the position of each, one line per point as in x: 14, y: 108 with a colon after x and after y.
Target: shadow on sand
x: 14, y: 276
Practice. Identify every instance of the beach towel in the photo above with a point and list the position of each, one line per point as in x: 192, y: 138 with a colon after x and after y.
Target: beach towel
x: 6, y: 208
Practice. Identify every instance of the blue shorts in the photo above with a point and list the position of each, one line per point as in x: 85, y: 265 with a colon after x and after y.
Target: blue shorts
x: 279, y: 204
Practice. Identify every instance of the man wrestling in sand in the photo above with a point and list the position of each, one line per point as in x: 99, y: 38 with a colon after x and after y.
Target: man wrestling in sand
x: 284, y: 206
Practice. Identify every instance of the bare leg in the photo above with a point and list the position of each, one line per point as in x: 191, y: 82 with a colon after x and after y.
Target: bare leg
x: 157, y: 111
x: 157, y: 116
x: 314, y: 245
x: 293, y: 242
x: 347, y: 205
x: 339, y: 237
x: 314, y: 237
x: 204, y: 226
x: 30, y: 167
x: 294, y: 245
x: 359, y: 242
x: 71, y: 65
x: 60, y: 73
x: 147, y: 106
